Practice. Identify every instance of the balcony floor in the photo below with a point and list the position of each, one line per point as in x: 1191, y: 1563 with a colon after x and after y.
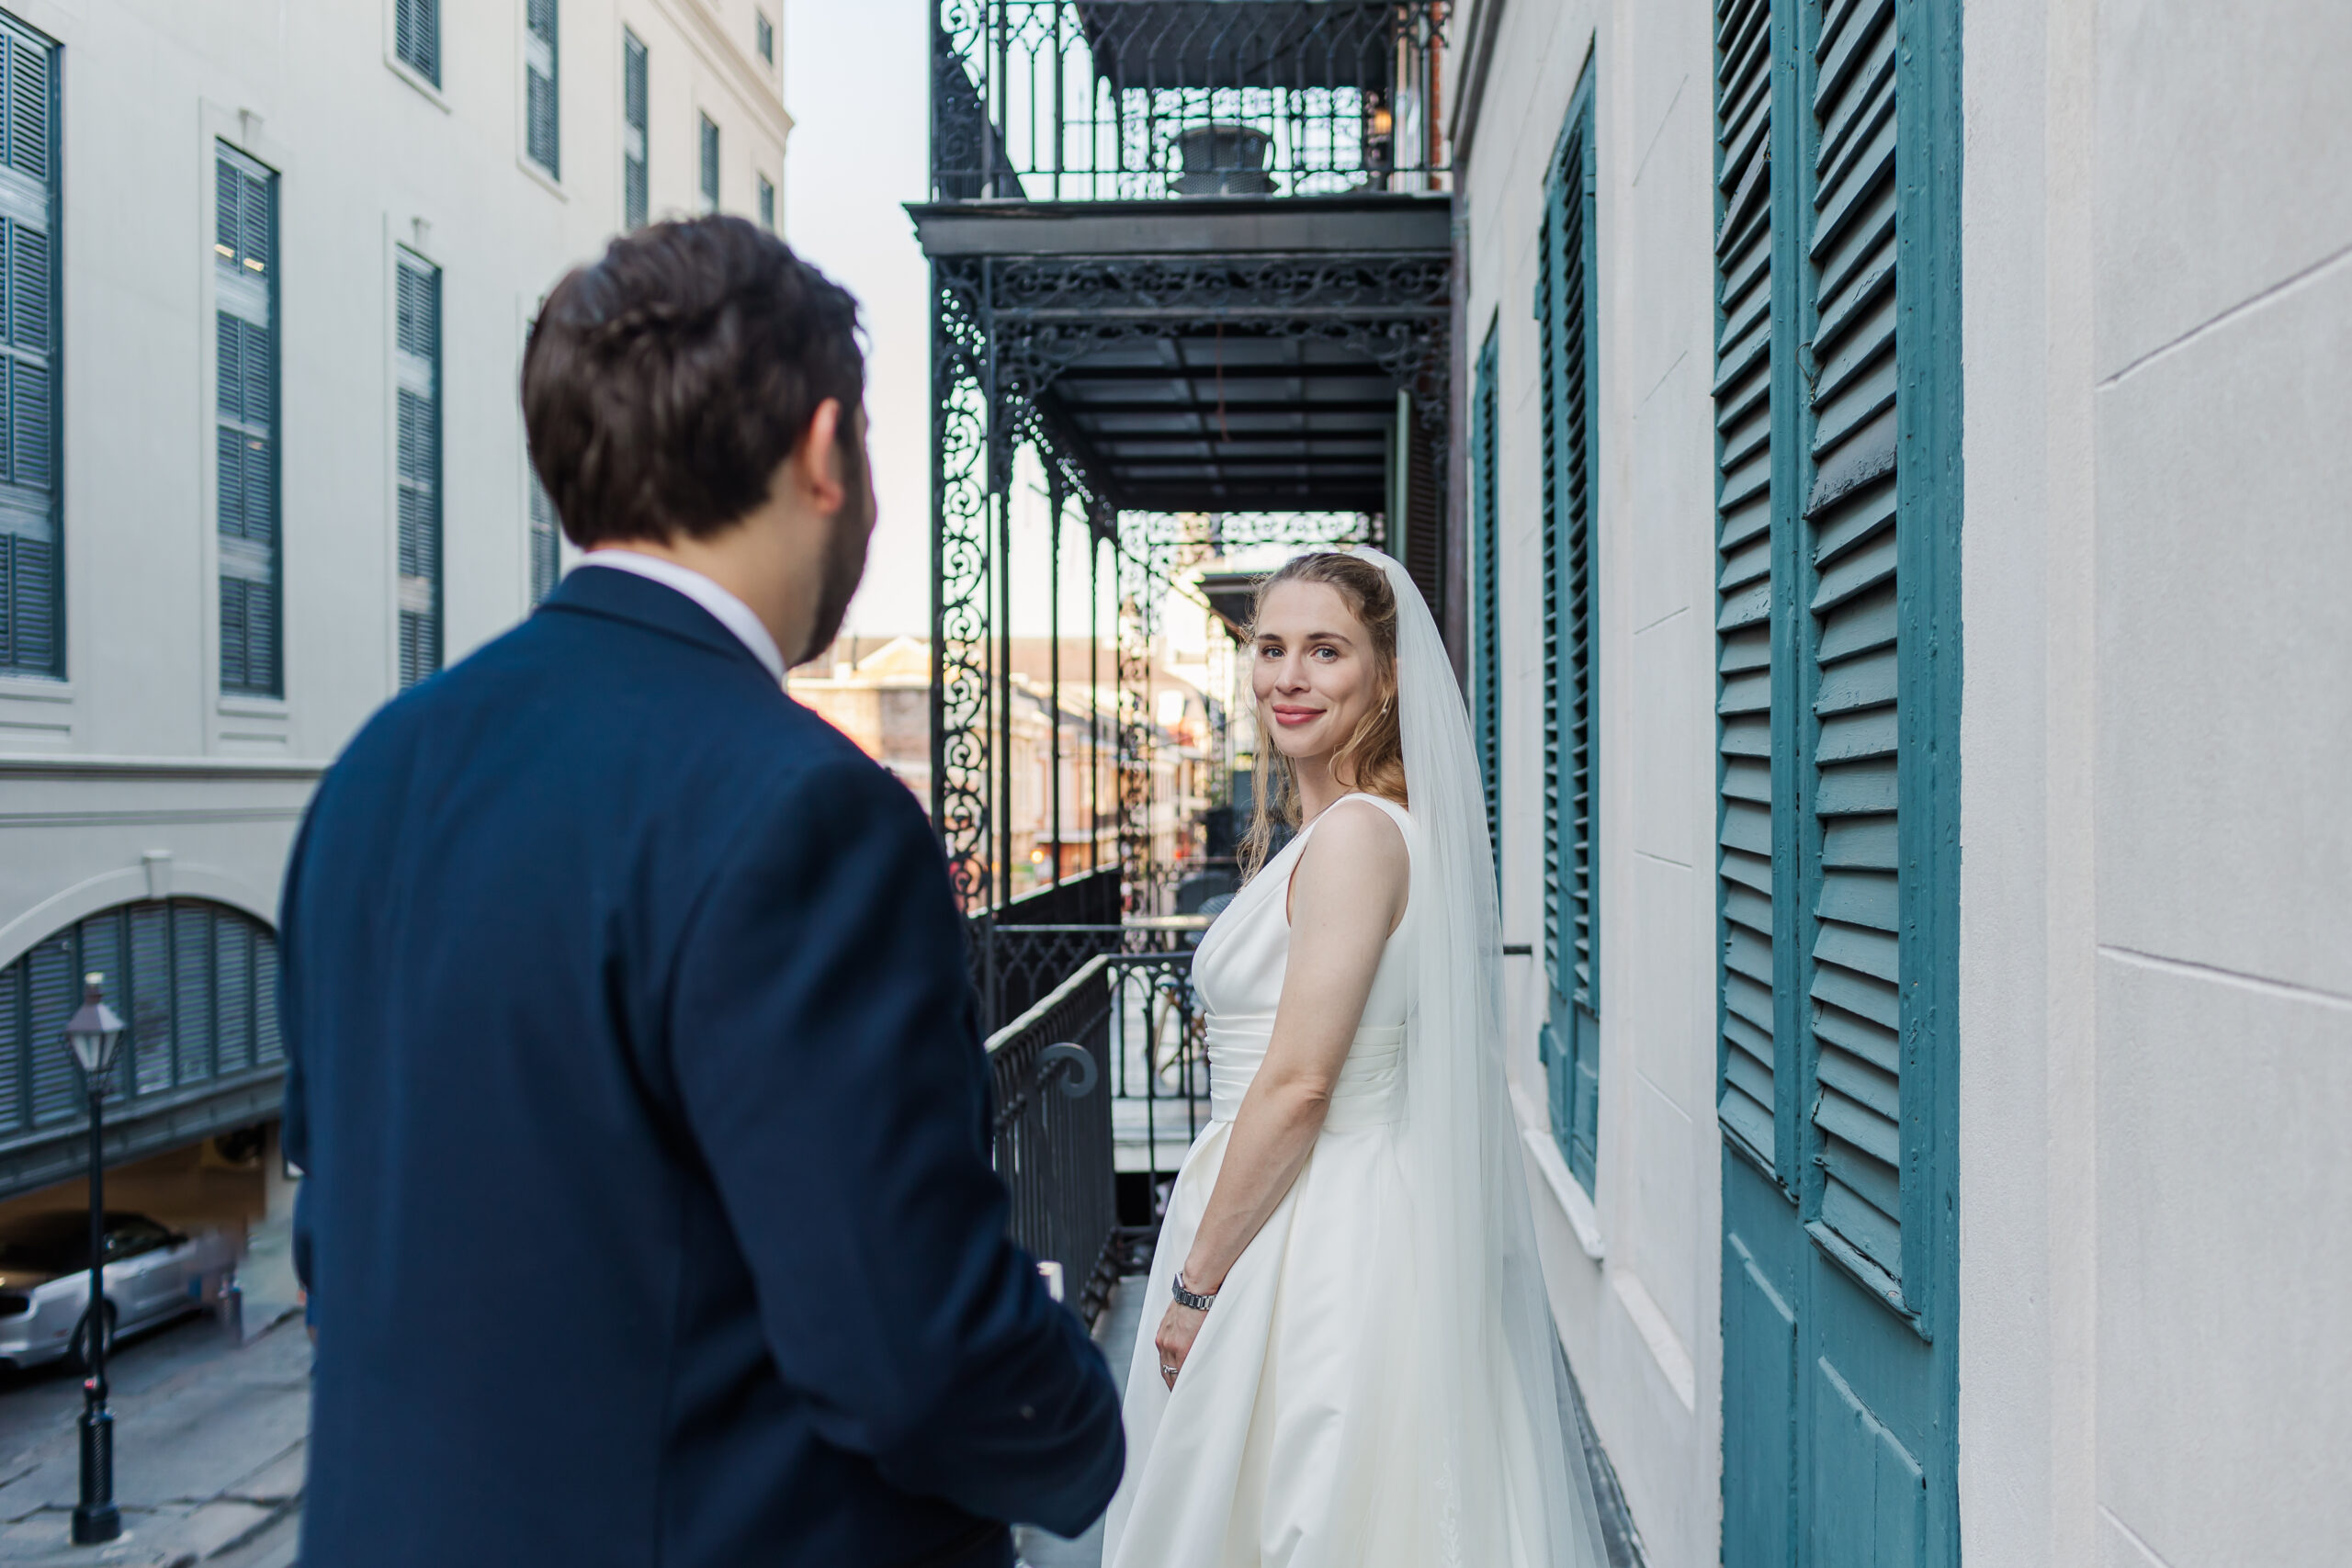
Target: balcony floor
x: 1116, y: 1333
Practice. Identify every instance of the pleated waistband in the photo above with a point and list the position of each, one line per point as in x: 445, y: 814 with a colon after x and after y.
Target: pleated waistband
x: 1371, y: 1088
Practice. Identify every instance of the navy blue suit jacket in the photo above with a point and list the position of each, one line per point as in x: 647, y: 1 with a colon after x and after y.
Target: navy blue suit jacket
x: 634, y: 1072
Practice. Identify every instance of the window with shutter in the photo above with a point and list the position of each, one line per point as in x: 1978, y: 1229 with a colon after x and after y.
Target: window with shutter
x: 416, y: 37
x: 196, y: 982
x: 709, y: 164
x: 1485, y: 626
x: 1568, y: 363
x: 1748, y: 725
x: 764, y: 32
x: 633, y: 130
x: 417, y: 378
x: 31, y: 523
x: 540, y: 124
x: 245, y: 413
x: 544, y: 534
x: 1823, y: 648
x: 767, y: 204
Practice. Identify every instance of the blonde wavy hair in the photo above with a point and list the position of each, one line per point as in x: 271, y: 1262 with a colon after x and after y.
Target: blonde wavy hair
x: 1373, y: 759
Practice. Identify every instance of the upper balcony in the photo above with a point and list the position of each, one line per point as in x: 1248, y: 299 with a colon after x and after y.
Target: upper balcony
x: 1056, y: 101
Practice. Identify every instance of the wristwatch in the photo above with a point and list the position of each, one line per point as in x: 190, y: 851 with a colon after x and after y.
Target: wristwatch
x: 1192, y: 1299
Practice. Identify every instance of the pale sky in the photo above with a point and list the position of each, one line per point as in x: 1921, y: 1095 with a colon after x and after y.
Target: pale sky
x: 855, y: 80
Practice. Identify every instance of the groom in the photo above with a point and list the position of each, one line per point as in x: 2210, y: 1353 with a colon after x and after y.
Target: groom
x: 632, y: 1060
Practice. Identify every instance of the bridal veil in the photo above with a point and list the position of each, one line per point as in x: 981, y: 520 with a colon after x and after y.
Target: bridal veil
x: 1506, y: 1470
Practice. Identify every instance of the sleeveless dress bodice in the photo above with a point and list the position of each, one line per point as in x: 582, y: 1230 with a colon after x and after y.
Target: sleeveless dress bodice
x: 1237, y: 977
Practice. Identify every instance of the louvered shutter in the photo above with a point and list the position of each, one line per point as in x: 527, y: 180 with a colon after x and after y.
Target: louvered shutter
x: 633, y: 133
x: 246, y: 443
x: 14, y: 1062
x: 1564, y: 311
x: 31, y: 589
x: 269, y: 1046
x: 767, y: 204
x: 709, y: 164
x: 539, y: 102
x: 544, y: 553
x: 192, y: 991
x: 416, y: 36
x: 1849, y: 527
x: 232, y: 992
x: 418, y: 439
x: 53, y: 991
x: 1744, y: 606
x: 1486, y: 627
x: 150, y: 1018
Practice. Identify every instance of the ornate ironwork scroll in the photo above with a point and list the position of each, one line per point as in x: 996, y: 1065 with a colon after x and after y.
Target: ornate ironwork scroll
x: 1138, y: 749
x: 961, y: 538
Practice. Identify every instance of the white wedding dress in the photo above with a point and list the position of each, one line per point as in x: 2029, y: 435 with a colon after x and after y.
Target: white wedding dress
x: 1283, y: 1440
x: 1379, y: 1385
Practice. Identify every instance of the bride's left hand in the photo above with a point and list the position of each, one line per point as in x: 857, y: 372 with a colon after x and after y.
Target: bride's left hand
x: 1174, y: 1340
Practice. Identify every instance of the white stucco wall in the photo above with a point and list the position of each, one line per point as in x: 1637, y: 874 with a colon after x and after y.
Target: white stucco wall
x: 2157, y: 943
x: 2157, y: 936
x: 369, y: 158
x: 1641, y: 1320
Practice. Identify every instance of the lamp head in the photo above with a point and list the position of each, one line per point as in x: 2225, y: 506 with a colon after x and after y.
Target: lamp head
x: 94, y: 1031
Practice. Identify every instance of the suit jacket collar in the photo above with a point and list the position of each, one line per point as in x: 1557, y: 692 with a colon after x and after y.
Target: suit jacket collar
x: 641, y: 601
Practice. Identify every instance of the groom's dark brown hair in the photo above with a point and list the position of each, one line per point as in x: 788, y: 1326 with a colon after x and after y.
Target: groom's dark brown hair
x: 663, y: 383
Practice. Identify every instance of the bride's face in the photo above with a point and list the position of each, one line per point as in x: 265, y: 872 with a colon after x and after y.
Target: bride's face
x: 1312, y: 669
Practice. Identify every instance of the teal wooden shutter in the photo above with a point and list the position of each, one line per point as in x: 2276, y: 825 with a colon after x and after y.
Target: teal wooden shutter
x: 1837, y: 409
x: 416, y: 36
x: 32, y: 637
x: 232, y: 992
x: 1849, y: 636
x: 633, y: 127
x: 1564, y: 307
x: 1485, y: 626
x: 709, y: 164
x: 417, y: 368
x: 1745, y: 623
x: 541, y: 123
x: 196, y: 982
x: 245, y: 414
x: 51, y: 993
x: 1812, y: 655
x: 544, y: 554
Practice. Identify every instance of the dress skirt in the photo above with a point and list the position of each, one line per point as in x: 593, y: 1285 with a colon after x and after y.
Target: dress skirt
x: 1288, y: 1441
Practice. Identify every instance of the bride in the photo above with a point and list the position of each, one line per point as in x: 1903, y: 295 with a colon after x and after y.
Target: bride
x: 1356, y: 1366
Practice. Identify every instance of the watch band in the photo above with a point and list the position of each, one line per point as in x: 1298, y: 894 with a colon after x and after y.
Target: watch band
x: 1192, y: 1299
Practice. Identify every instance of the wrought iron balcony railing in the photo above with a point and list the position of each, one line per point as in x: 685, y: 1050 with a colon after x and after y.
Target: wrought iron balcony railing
x: 1100, y: 1085
x: 1097, y: 100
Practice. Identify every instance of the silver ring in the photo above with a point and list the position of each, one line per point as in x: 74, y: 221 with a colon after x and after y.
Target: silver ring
x: 1168, y: 1372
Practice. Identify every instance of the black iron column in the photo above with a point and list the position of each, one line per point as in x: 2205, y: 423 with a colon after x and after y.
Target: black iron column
x: 1054, y: 503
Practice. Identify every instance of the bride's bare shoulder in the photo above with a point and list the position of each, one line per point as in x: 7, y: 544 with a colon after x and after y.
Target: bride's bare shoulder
x: 1357, y: 856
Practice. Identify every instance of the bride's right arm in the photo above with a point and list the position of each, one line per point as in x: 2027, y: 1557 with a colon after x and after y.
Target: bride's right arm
x: 1346, y: 896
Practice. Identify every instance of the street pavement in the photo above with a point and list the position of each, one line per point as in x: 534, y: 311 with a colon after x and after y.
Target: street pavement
x: 211, y: 1428
x: 210, y: 1436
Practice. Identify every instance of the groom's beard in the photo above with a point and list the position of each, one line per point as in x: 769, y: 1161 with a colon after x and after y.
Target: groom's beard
x: 850, y: 528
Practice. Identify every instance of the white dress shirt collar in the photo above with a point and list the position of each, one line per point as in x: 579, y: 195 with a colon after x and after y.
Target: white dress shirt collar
x: 725, y: 608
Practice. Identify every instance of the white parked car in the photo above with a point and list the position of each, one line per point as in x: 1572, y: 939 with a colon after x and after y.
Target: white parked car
x: 153, y: 1274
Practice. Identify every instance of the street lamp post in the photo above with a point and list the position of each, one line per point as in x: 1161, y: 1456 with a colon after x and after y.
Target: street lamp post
x: 93, y: 1031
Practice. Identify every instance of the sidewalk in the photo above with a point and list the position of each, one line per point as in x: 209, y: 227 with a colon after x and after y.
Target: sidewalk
x: 205, y: 1460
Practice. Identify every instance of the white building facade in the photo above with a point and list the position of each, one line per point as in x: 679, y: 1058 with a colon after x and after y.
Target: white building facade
x: 1903, y: 451
x: 271, y: 270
